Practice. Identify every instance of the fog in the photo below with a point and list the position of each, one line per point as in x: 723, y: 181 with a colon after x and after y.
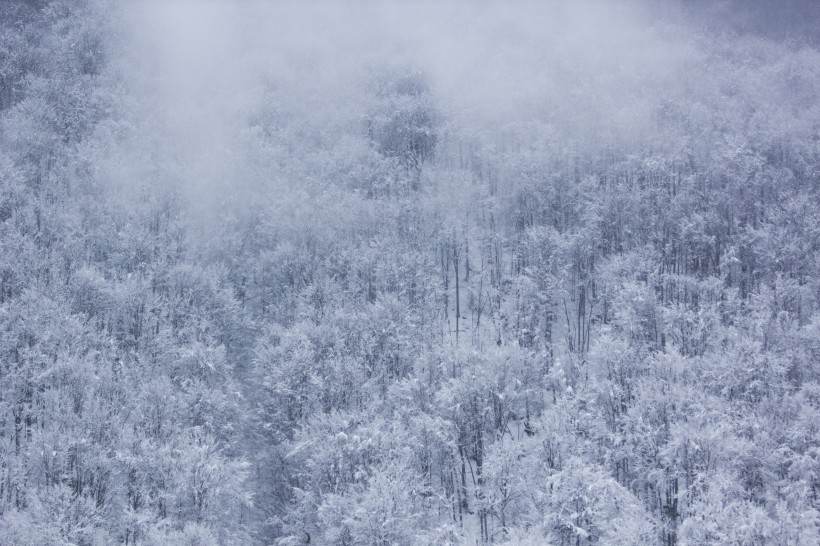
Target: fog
x: 592, y: 72
x: 491, y: 59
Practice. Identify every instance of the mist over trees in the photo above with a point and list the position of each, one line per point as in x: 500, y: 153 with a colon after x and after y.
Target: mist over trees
x: 393, y: 273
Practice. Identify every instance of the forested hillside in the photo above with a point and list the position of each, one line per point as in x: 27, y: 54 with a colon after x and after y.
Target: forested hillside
x: 384, y: 273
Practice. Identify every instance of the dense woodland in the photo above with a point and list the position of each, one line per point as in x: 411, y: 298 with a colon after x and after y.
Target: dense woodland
x: 554, y: 280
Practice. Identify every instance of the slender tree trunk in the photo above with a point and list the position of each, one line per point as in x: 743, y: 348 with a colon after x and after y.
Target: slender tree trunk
x: 458, y: 295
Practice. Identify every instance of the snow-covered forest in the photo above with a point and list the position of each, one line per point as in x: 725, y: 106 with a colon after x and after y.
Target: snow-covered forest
x: 376, y: 273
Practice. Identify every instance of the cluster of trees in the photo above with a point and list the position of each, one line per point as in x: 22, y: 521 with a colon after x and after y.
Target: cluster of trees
x: 119, y: 407
x: 408, y: 327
